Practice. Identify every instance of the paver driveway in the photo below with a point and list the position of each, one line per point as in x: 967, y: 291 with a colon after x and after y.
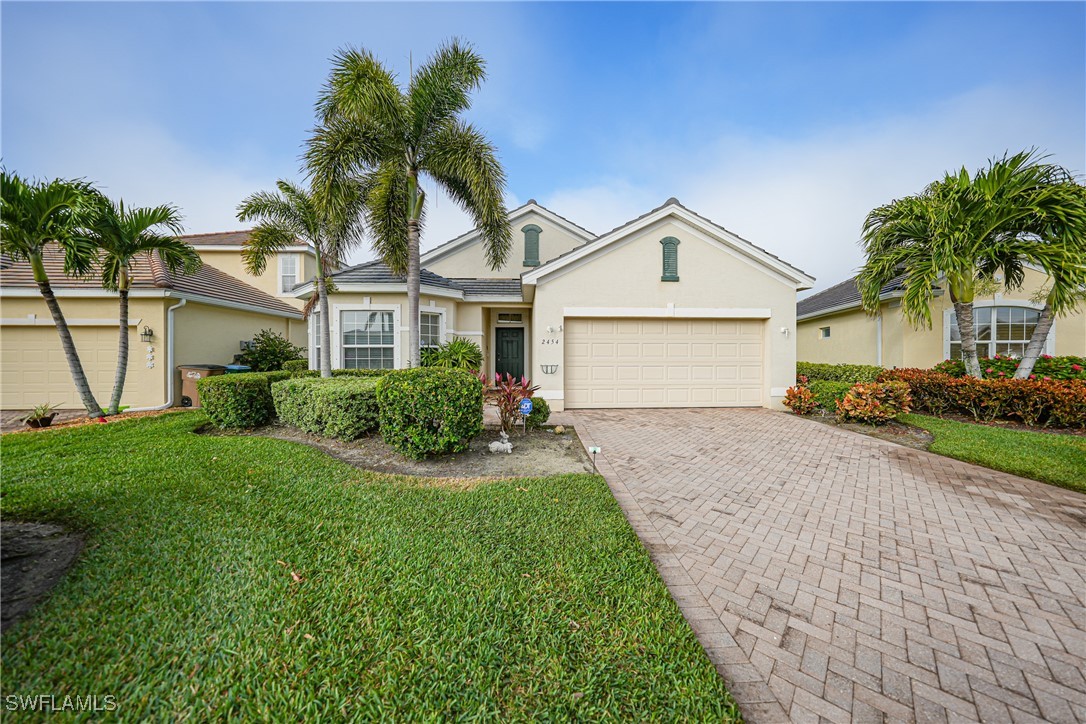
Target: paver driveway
x: 832, y: 575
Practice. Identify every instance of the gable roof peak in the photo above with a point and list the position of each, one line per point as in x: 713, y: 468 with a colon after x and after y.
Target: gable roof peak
x: 672, y: 202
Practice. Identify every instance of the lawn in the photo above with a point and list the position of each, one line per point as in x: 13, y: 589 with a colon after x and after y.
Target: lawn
x: 1052, y: 458
x: 252, y: 578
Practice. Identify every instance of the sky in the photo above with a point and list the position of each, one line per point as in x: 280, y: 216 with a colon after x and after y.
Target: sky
x: 786, y: 123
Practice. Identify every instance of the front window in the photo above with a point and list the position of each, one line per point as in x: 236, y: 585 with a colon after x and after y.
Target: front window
x: 429, y: 330
x: 316, y: 316
x: 369, y: 340
x: 288, y: 272
x: 1000, y: 330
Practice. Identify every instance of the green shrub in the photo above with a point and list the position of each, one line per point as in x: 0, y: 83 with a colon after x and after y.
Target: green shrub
x: 359, y: 373
x: 875, y: 403
x: 269, y: 352
x: 296, y: 365
x: 1066, y: 367
x: 837, y: 373
x: 343, y: 408
x: 429, y: 410
x: 827, y: 393
x: 242, y: 400
x: 541, y: 412
x: 458, y: 353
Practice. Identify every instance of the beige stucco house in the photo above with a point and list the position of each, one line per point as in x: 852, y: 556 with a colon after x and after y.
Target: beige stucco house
x: 194, y: 319
x: 667, y: 310
x: 832, y: 327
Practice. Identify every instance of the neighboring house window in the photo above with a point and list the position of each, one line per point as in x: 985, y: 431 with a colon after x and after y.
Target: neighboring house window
x: 531, y: 245
x: 316, y: 317
x: 368, y: 339
x: 823, y: 332
x: 999, y: 330
x: 288, y: 272
x: 671, y: 259
x: 429, y: 330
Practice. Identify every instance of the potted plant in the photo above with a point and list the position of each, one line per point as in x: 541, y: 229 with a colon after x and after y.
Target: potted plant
x: 41, y: 416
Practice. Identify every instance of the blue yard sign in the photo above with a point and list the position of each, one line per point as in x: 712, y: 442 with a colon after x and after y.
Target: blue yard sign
x: 526, y: 406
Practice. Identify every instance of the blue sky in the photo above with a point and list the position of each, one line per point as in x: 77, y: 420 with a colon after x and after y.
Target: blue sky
x: 784, y: 122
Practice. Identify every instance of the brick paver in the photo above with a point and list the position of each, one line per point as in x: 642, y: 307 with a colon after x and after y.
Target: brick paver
x: 832, y: 576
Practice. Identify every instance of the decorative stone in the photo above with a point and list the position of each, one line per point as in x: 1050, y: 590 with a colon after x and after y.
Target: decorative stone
x: 559, y: 429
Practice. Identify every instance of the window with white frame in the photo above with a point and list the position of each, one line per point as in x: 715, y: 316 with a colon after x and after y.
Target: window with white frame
x: 288, y: 272
x: 429, y: 330
x: 823, y: 332
x: 368, y: 339
x: 999, y: 330
x: 316, y: 345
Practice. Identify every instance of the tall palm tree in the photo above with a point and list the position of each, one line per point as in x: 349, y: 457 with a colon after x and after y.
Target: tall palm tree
x: 332, y: 224
x: 962, y: 231
x: 34, y: 215
x: 122, y: 235
x: 394, y: 140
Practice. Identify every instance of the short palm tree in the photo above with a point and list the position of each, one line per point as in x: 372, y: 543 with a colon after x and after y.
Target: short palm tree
x: 34, y: 215
x: 122, y: 234
x: 393, y: 140
x: 331, y: 225
x: 962, y: 231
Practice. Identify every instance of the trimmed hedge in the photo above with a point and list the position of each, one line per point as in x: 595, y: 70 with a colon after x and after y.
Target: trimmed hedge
x: 541, y: 412
x: 837, y: 373
x: 827, y: 393
x: 343, y: 408
x: 1067, y: 367
x: 360, y: 373
x: 242, y: 400
x: 1058, y: 403
x: 429, y: 410
x: 296, y: 365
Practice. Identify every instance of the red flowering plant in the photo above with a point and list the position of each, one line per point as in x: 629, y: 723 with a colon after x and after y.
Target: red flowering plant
x: 509, y: 391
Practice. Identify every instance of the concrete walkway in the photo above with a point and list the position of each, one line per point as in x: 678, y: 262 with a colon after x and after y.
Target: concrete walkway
x: 832, y: 576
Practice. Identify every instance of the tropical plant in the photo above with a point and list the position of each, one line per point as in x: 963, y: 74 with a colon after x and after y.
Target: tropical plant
x: 392, y: 140
x: 964, y: 230
x: 269, y: 352
x: 509, y: 391
x: 122, y: 235
x: 458, y: 353
x: 331, y: 222
x: 40, y: 412
x: 33, y: 215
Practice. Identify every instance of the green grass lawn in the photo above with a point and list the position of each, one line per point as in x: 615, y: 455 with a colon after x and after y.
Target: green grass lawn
x: 253, y: 578
x: 1052, y: 458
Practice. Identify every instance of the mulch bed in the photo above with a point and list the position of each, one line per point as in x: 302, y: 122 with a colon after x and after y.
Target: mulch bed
x: 81, y: 421
x: 896, y: 432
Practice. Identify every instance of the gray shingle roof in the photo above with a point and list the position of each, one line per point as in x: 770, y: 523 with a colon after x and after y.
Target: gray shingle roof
x: 377, y: 272
x: 843, y: 295
x: 489, y: 287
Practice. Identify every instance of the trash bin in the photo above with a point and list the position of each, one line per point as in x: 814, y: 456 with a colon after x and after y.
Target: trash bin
x: 190, y: 375
x: 237, y: 369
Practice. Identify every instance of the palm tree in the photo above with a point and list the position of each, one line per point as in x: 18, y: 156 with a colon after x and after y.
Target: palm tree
x: 332, y: 224
x: 393, y: 139
x: 963, y: 230
x: 34, y: 215
x: 123, y: 234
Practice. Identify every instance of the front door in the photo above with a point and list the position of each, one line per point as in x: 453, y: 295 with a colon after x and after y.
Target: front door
x: 510, y: 357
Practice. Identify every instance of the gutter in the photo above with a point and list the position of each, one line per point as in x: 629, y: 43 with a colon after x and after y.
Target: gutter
x: 169, y: 361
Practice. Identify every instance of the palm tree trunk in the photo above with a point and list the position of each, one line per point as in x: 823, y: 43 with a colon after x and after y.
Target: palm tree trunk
x: 413, y: 347
x: 964, y: 312
x: 1036, y: 343
x: 325, y: 360
x: 122, y: 351
x: 79, y: 377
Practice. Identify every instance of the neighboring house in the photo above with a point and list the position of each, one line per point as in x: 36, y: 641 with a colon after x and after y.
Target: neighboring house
x: 833, y: 327
x: 284, y: 271
x: 667, y: 310
x: 195, y: 319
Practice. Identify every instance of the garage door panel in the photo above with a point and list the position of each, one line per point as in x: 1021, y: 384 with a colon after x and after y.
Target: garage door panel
x: 663, y: 363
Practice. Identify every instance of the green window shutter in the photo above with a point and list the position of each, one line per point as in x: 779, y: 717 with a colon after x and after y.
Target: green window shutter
x: 531, y: 245
x: 671, y: 259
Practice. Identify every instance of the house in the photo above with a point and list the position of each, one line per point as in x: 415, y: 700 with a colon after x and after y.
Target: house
x: 667, y: 310
x: 832, y: 327
x: 192, y: 319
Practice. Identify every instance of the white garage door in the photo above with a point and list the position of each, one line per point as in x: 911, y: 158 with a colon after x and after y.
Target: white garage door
x: 664, y: 362
x: 35, y: 370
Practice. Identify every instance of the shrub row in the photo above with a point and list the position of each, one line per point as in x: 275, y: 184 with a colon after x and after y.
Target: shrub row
x: 428, y: 410
x: 1066, y: 367
x: 1058, y: 403
x: 827, y: 393
x: 339, y: 407
x: 837, y: 373
x: 875, y: 403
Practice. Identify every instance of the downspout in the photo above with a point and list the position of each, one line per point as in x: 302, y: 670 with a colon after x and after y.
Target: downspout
x: 878, y: 339
x: 169, y: 362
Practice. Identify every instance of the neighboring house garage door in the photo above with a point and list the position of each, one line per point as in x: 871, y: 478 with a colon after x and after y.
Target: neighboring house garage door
x: 36, y: 371
x: 664, y: 362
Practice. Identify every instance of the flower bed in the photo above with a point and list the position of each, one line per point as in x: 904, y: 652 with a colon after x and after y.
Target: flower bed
x: 1047, y: 367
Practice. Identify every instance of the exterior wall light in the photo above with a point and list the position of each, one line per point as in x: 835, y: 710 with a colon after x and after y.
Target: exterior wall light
x: 147, y: 334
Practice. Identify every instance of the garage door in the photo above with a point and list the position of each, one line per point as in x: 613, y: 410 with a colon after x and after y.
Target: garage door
x: 35, y: 369
x: 664, y: 363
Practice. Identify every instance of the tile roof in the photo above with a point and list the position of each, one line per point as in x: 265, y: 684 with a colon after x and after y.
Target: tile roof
x: 225, y: 238
x: 489, y: 287
x: 843, y: 295
x: 148, y: 272
x: 377, y: 272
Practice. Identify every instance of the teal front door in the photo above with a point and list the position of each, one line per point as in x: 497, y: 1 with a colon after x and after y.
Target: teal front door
x: 510, y: 357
